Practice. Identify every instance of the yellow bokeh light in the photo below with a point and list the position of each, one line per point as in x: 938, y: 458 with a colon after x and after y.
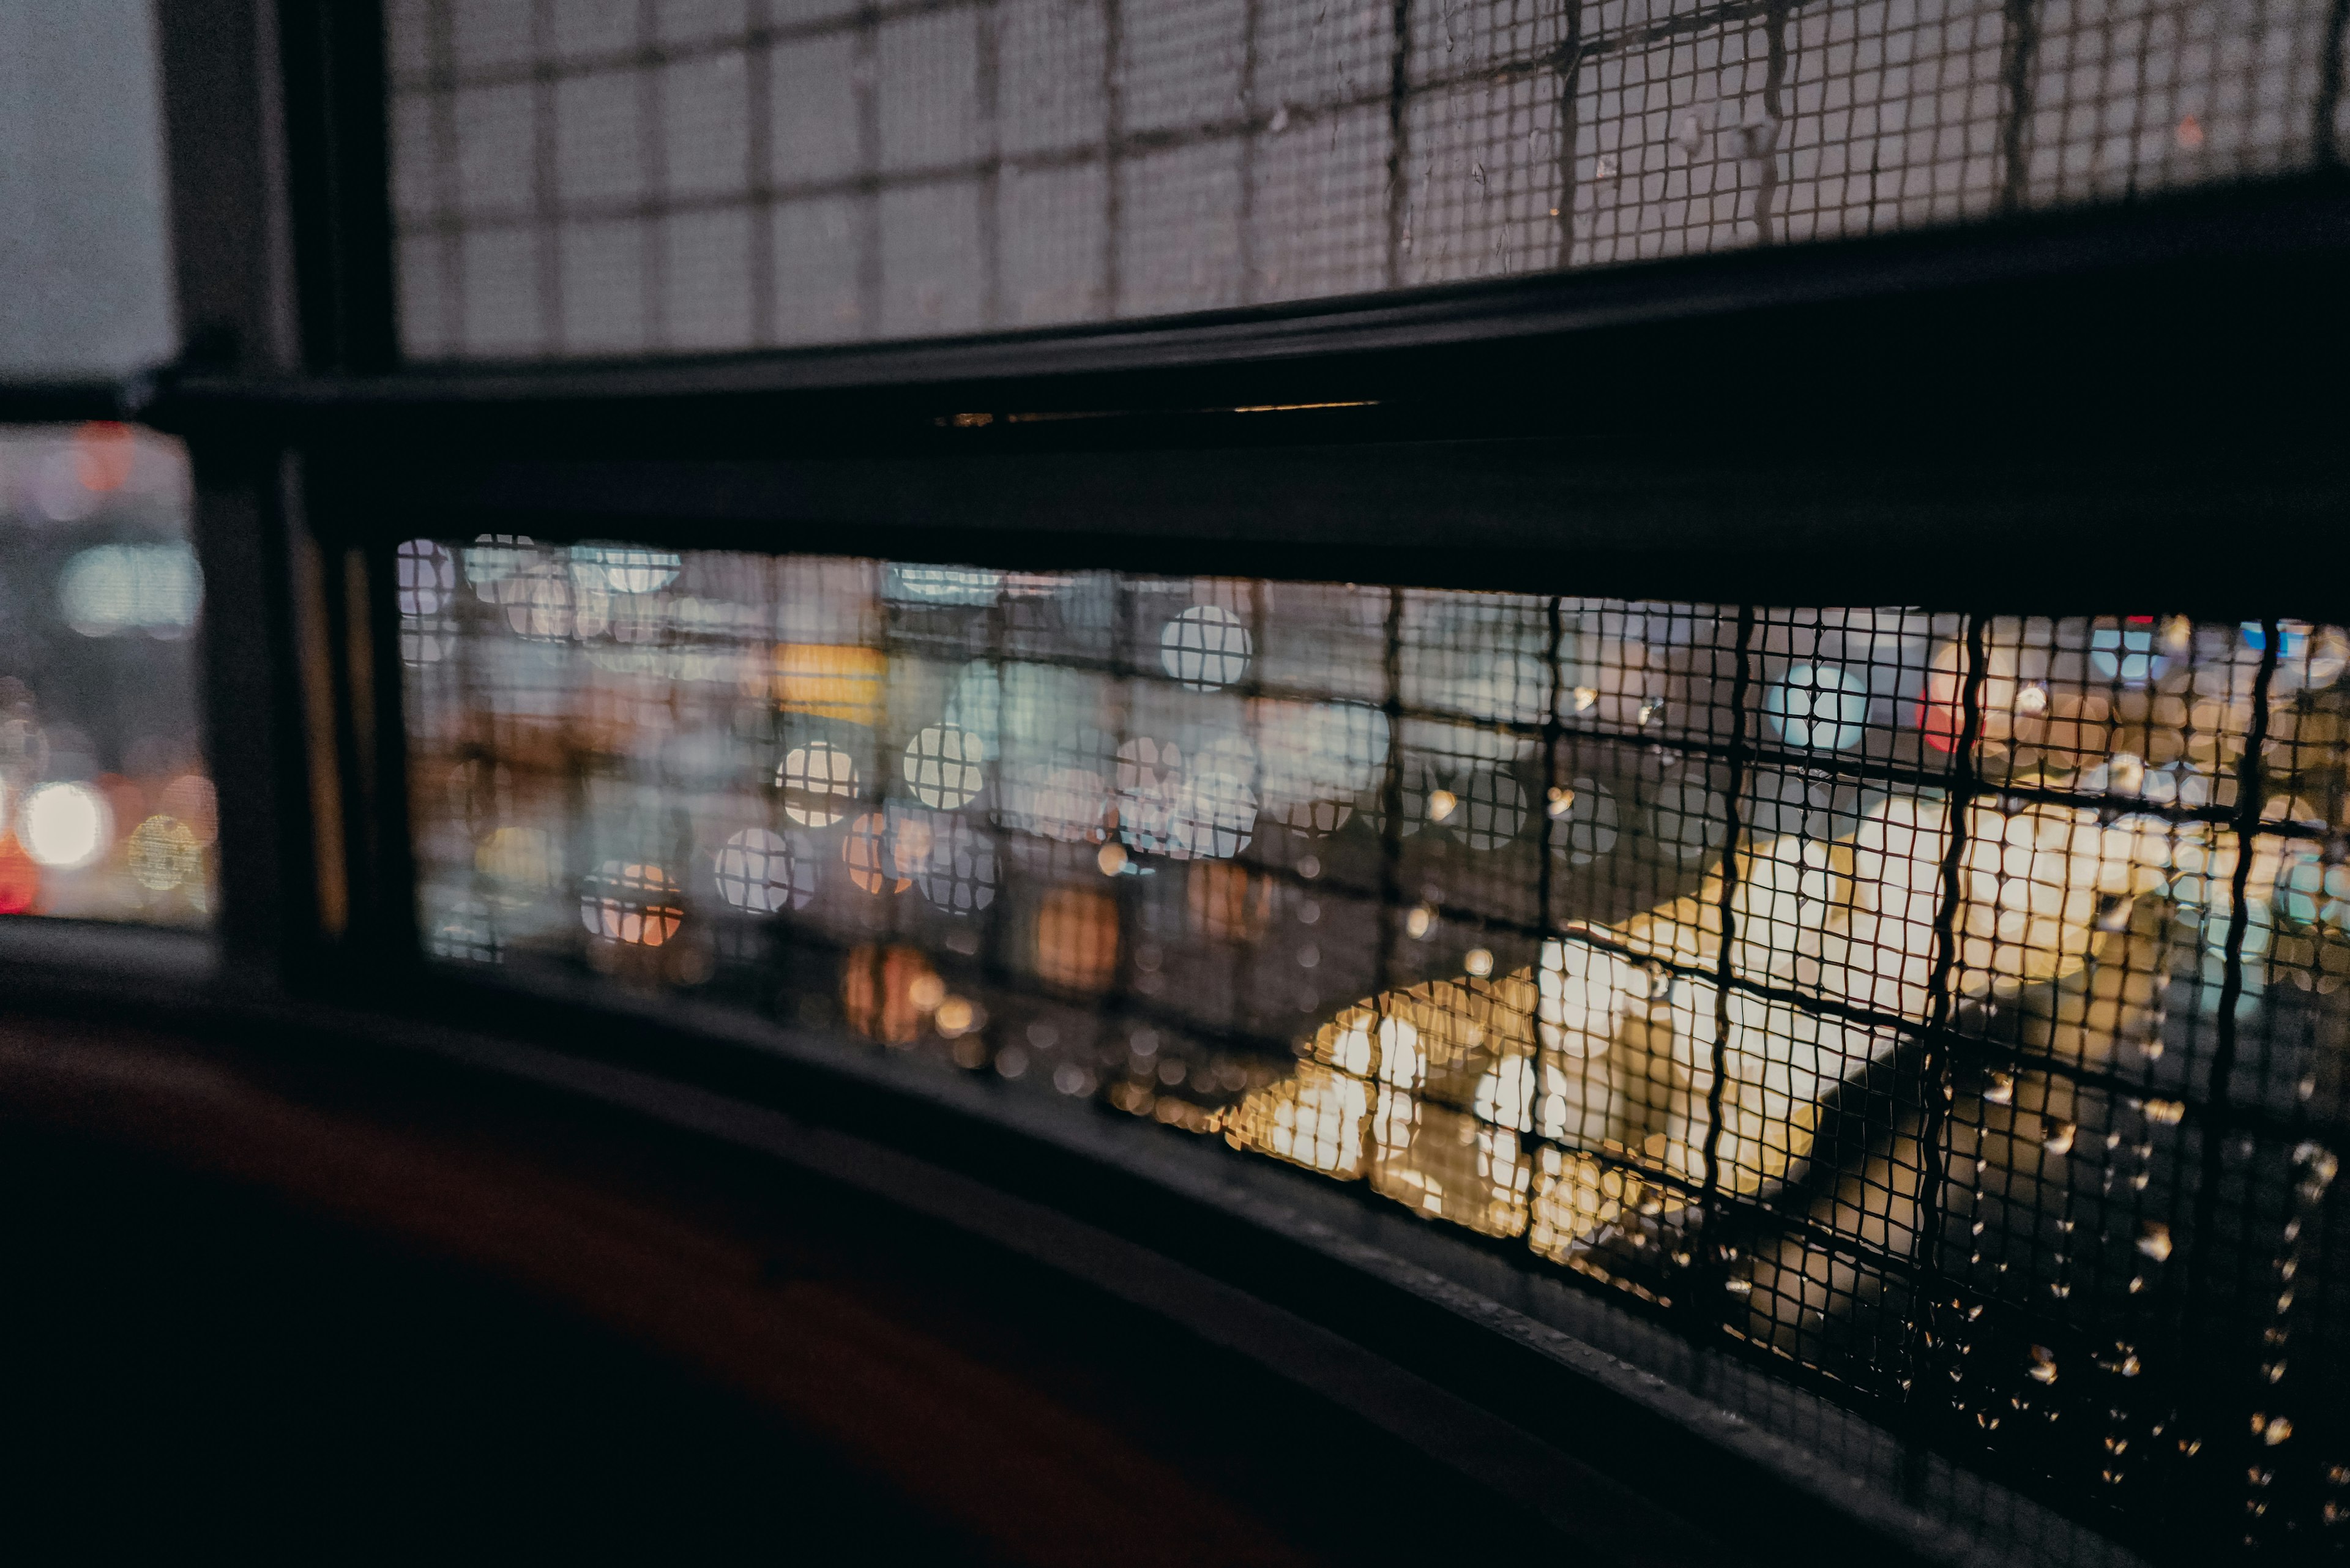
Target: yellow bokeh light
x: 831, y: 680
x: 163, y: 854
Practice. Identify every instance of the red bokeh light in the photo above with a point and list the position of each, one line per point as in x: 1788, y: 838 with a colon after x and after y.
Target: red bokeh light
x: 20, y: 879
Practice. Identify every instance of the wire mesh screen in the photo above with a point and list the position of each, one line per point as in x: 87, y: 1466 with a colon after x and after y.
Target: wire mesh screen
x: 581, y: 177
x: 1949, y: 1011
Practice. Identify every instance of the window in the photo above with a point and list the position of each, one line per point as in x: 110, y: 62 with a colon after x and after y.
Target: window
x: 109, y: 811
x: 1677, y: 666
x: 1922, y: 1000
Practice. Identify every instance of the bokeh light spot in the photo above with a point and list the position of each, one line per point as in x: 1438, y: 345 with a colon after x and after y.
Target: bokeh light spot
x: 109, y: 590
x: 943, y: 767
x: 756, y: 872
x: 631, y: 903
x: 424, y: 577
x: 1819, y: 706
x: 163, y: 854
x: 1205, y: 647
x: 65, y: 826
x: 622, y: 569
x: 817, y: 780
x: 20, y: 877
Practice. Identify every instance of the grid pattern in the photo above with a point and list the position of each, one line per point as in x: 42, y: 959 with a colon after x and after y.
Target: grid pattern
x: 634, y: 176
x: 1948, y: 1010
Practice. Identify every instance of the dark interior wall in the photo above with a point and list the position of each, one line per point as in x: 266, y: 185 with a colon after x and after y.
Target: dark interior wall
x: 327, y: 1299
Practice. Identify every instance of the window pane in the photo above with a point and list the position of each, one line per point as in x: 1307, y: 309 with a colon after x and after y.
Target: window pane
x: 86, y: 265
x: 1916, y: 1003
x: 106, y: 807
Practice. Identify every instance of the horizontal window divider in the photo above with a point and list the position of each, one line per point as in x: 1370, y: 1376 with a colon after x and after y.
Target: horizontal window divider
x: 2059, y: 316
x: 35, y: 400
x: 1525, y: 515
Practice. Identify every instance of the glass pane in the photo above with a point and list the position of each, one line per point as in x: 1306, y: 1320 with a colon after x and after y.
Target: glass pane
x: 86, y: 265
x: 1933, y: 1007
x: 105, y: 808
x: 684, y: 178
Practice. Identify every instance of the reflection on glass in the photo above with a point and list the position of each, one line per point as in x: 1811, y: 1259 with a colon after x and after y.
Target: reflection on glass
x: 106, y: 809
x: 1949, y: 1011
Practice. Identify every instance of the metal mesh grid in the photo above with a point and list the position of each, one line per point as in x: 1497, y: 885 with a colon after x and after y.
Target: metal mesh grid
x: 1948, y: 1010
x: 576, y: 179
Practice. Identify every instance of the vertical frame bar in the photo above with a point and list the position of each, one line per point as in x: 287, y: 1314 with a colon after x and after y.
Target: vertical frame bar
x: 338, y: 191
x: 227, y: 205
x: 338, y: 172
x: 230, y: 235
x: 253, y: 715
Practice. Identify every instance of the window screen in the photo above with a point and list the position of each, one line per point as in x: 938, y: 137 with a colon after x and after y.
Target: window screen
x: 585, y: 177
x: 1946, y: 1009
x: 106, y: 809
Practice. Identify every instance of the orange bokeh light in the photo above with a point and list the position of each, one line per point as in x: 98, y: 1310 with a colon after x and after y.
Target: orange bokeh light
x: 631, y: 903
x: 878, y: 850
x: 1076, y: 939
x: 884, y: 993
x: 1226, y: 901
x: 103, y: 452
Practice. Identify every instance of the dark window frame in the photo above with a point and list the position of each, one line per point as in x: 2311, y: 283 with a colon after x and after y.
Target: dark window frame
x: 2001, y: 378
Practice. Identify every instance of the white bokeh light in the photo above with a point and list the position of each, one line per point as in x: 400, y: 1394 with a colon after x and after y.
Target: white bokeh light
x: 424, y: 577
x: 943, y: 767
x: 109, y: 590
x: 65, y: 826
x: 2126, y: 654
x: 1149, y: 776
x: 941, y: 585
x: 815, y: 777
x: 495, y: 559
x: 2308, y: 657
x: 622, y: 569
x: 757, y: 872
x: 957, y: 873
x: 1212, y: 812
x: 1205, y: 647
x: 548, y: 604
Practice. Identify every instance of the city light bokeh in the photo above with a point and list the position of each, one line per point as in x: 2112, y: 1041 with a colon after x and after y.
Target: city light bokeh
x: 1684, y: 949
x: 107, y: 809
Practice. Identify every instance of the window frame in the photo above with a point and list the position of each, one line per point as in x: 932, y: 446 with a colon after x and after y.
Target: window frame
x: 2026, y: 398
